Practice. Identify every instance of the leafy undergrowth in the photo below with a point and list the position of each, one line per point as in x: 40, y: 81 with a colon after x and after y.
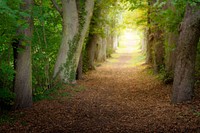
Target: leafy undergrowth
x: 115, y: 98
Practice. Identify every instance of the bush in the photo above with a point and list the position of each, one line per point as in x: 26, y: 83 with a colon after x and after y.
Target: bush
x: 6, y: 99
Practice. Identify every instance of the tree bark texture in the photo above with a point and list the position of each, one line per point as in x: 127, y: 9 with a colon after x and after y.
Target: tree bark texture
x: 115, y: 42
x: 144, y: 41
x: 23, y: 76
x: 74, y: 33
x: 149, y: 37
x: 91, y: 48
x: 79, y: 71
x: 186, y: 53
x: 170, y: 55
x: 100, y: 55
x: 158, y: 51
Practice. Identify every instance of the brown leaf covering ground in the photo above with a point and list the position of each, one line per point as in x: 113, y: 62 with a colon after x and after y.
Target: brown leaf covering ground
x: 120, y: 96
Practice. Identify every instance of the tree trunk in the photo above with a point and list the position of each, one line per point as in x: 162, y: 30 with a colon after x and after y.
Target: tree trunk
x: 171, y: 43
x: 101, y: 49
x: 171, y: 40
x: 23, y: 77
x: 186, y: 53
x: 90, y: 47
x: 74, y: 33
x: 115, y: 42
x: 149, y: 37
x: 158, y: 51
x: 79, y: 71
x: 144, y: 41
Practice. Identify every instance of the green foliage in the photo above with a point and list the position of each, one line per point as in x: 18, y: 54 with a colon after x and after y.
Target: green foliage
x: 106, y: 15
x: 42, y: 94
x: 166, y: 77
x: 109, y: 51
x: 5, y: 118
x: 85, y: 67
x: 9, y: 16
x: 6, y: 98
x: 11, y: 20
x: 45, y: 44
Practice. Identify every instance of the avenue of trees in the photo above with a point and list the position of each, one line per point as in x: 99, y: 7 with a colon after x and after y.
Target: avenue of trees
x: 49, y: 42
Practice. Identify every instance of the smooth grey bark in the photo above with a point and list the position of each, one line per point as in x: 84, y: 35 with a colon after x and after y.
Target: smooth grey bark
x: 23, y: 76
x: 110, y: 44
x: 183, y: 86
x: 72, y: 39
x: 115, y: 42
x: 101, y: 49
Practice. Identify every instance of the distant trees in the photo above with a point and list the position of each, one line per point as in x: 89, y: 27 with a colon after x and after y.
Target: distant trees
x: 103, y: 34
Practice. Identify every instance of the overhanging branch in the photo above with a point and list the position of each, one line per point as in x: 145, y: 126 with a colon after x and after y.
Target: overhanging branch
x: 57, y: 7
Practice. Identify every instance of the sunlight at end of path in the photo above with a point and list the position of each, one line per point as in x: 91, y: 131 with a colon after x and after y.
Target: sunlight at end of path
x: 129, y: 53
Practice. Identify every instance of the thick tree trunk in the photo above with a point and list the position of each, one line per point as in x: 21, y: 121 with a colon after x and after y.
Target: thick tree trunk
x: 91, y: 47
x: 70, y: 29
x: 110, y: 44
x: 186, y: 53
x: 23, y: 77
x: 144, y: 41
x: 115, y: 42
x: 149, y: 56
x: 171, y: 43
x: 149, y: 37
x: 79, y: 71
x: 101, y: 49
x: 171, y: 40
x: 74, y: 33
x: 158, y: 51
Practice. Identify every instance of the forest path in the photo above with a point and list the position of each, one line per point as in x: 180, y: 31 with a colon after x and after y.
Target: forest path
x: 120, y: 96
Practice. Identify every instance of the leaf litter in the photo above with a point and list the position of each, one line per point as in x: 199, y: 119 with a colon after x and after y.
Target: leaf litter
x: 117, y: 98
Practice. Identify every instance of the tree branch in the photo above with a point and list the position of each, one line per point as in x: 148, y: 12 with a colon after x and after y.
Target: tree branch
x: 57, y: 7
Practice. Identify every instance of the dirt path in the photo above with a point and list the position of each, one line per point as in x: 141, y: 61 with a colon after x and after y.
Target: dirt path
x: 119, y: 97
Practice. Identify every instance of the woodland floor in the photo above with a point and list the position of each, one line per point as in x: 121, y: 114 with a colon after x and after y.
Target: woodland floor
x: 120, y: 96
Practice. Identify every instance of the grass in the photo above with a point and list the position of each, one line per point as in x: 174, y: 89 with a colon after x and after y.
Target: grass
x: 59, y: 91
x: 137, y: 59
x: 114, y: 58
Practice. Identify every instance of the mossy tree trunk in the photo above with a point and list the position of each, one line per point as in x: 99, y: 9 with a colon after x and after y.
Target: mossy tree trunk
x: 186, y: 54
x: 158, y: 51
x: 79, y: 71
x: 76, y: 20
x: 170, y: 55
x: 149, y: 36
